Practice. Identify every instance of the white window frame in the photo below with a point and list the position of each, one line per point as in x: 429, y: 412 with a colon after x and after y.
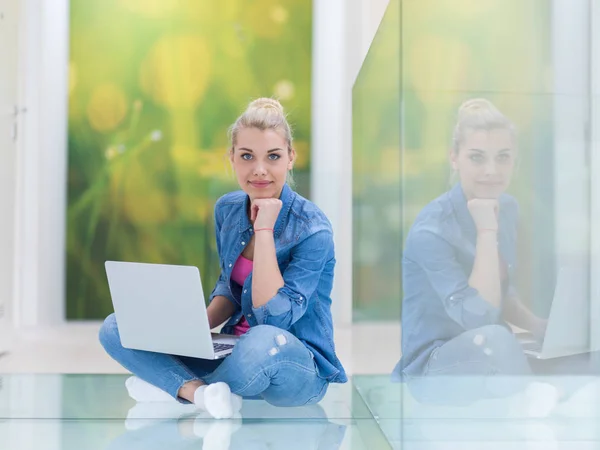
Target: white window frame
x: 595, y: 171
x: 41, y: 165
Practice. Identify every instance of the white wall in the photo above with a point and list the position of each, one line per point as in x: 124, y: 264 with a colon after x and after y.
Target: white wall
x: 9, y: 27
x: 576, y: 56
x: 364, y: 18
x: 571, y: 69
x: 595, y: 169
x: 343, y: 32
x: 41, y: 171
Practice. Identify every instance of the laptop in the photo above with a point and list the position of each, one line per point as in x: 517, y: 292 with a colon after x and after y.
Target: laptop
x: 568, y: 330
x: 160, y: 308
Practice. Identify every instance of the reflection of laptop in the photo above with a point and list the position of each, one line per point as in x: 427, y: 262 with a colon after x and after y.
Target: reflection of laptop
x: 160, y: 308
x: 568, y: 331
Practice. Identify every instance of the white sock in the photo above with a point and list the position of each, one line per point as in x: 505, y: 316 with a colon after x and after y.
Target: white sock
x: 142, y: 391
x: 216, y: 435
x: 540, y: 436
x: 581, y: 403
x: 199, y: 396
x: 144, y: 414
x: 540, y: 399
x: 217, y: 400
x: 236, y: 403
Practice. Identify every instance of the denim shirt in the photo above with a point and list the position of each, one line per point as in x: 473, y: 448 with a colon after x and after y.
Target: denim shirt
x: 305, y: 255
x: 437, y: 262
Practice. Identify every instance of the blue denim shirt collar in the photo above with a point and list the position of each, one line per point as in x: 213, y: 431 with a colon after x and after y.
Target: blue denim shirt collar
x: 286, y: 197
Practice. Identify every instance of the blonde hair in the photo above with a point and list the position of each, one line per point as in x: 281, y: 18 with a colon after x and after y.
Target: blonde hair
x: 264, y: 114
x: 479, y: 114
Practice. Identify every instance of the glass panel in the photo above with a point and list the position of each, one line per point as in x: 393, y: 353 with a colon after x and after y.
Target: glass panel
x: 438, y: 414
x: 495, y: 212
x: 376, y: 176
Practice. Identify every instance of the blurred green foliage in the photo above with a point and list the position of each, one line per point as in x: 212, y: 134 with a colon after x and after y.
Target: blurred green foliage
x: 153, y: 87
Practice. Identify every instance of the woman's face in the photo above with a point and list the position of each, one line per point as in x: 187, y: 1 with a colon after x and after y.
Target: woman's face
x: 485, y: 162
x: 261, y: 161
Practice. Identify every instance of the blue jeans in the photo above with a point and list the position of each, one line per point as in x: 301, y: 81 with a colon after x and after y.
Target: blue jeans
x: 488, y: 362
x: 267, y: 362
x: 489, y: 350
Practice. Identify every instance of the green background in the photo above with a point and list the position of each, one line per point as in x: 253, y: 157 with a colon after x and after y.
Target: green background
x: 153, y: 87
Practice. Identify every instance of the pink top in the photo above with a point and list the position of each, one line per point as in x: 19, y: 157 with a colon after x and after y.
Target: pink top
x: 240, y: 272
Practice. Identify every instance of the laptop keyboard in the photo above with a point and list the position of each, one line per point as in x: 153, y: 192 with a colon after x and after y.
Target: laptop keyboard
x: 221, y: 347
x: 532, y: 346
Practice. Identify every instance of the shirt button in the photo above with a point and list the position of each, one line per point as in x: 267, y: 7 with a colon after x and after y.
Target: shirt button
x: 243, y: 243
x: 229, y: 265
x: 249, y: 315
x: 245, y: 290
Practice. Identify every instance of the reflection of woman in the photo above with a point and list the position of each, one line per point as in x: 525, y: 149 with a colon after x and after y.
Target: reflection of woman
x: 306, y: 427
x: 458, y: 263
x: 277, y: 260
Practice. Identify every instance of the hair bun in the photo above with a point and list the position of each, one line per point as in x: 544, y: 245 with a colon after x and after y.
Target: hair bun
x: 476, y: 106
x: 266, y: 103
x: 479, y: 114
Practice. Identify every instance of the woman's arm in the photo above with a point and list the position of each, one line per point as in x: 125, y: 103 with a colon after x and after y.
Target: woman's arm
x: 282, y: 299
x: 219, y: 310
x: 429, y: 253
x: 518, y: 314
x: 485, y: 276
x: 266, y: 277
x: 308, y: 259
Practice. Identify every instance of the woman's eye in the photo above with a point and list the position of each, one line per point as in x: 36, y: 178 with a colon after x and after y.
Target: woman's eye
x: 248, y: 155
x: 503, y: 158
x: 476, y: 158
x: 274, y: 157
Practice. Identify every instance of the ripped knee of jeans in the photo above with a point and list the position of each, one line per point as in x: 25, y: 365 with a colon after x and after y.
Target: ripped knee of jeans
x: 280, y: 340
x: 479, y: 339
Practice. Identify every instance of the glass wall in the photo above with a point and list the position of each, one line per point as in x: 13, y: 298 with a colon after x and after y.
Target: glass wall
x: 427, y: 59
x: 476, y: 212
x: 376, y: 182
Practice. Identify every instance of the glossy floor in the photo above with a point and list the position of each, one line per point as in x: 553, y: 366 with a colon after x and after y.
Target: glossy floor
x: 370, y: 412
x: 94, y: 412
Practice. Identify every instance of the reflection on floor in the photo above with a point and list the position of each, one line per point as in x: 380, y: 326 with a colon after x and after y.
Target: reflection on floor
x: 432, y: 414
x: 369, y: 412
x: 94, y: 412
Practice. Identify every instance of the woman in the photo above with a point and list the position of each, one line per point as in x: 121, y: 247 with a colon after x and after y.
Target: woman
x: 277, y: 260
x: 459, y: 260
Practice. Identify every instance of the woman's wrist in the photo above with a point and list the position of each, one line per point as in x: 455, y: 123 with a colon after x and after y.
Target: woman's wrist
x: 487, y: 230
x: 267, y: 229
